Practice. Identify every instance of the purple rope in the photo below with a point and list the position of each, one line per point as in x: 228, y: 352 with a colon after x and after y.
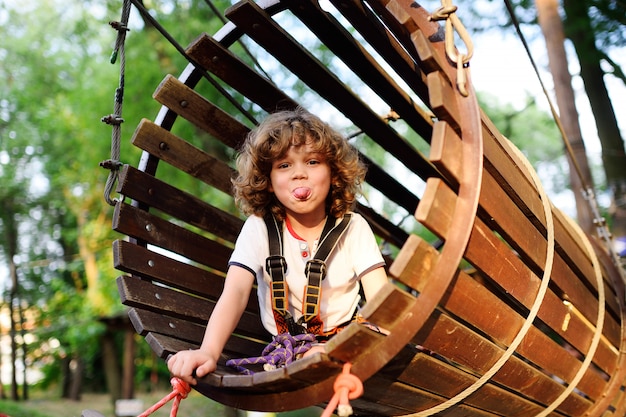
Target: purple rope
x: 282, y: 350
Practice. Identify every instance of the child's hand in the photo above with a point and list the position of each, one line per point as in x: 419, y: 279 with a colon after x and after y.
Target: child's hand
x: 184, y: 363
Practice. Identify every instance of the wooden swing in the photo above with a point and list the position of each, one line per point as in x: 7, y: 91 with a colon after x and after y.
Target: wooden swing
x: 516, y: 313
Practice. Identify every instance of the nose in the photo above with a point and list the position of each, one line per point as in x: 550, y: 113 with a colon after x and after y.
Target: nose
x: 299, y: 171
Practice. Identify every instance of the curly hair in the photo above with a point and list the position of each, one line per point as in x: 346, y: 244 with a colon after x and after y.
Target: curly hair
x: 271, y: 140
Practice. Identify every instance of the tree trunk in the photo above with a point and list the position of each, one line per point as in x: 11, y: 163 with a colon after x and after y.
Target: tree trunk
x: 24, y: 354
x: 111, y: 366
x: 128, y: 370
x: 12, y: 301
x: 552, y: 29
x: 580, y: 30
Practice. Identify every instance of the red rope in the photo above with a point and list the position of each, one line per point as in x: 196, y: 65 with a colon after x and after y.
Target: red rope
x: 347, y: 387
x: 180, y: 389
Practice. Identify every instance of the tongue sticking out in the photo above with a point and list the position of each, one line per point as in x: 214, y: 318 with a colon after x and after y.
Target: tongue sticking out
x: 302, y: 193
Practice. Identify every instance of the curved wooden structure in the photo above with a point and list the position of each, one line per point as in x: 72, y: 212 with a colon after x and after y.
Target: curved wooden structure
x: 512, y: 313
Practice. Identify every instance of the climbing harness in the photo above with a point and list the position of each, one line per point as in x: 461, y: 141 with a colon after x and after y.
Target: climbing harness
x: 315, y: 271
x: 447, y: 12
x: 294, y: 338
x: 113, y: 164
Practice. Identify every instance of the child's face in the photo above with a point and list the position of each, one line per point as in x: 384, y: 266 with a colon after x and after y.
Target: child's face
x: 301, y: 181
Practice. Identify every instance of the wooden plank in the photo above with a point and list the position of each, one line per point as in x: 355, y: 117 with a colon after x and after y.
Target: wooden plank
x: 164, y: 346
x: 385, y: 43
x: 229, y: 68
x: 440, y: 93
x: 138, y: 260
x: 149, y: 228
x: 166, y: 198
x: 446, y: 152
x: 146, y: 321
x: 447, y: 381
x: 182, y: 155
x: 202, y: 113
x: 507, y: 269
x: 260, y: 27
x: 352, y: 343
x: 452, y: 340
x: 504, y: 166
x: 390, y: 303
x: 339, y: 40
x: 468, y: 297
x: 142, y: 294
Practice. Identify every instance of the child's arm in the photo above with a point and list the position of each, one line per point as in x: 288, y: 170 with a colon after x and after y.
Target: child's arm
x: 373, y: 281
x: 222, y: 322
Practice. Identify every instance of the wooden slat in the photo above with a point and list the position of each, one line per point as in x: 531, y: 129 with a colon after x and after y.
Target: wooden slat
x: 352, y: 343
x: 440, y: 93
x: 468, y: 297
x: 201, y: 112
x: 228, y: 67
x: 164, y: 346
x: 260, y: 27
x: 390, y: 303
x: 160, y: 232
x: 142, y: 294
x: 364, y: 65
x: 453, y: 341
x: 446, y: 152
x: 506, y: 269
x: 447, y: 381
x: 503, y: 165
x: 138, y: 260
x: 164, y: 197
x: 182, y: 155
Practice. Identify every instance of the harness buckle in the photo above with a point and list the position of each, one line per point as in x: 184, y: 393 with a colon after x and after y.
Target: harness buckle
x: 275, y: 263
x: 315, y: 267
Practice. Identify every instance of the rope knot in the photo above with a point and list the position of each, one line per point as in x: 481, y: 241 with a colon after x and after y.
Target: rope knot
x: 112, y: 119
x: 180, y: 390
x: 111, y: 164
x: 180, y: 387
x: 119, y: 26
x: 347, y: 387
x: 442, y: 13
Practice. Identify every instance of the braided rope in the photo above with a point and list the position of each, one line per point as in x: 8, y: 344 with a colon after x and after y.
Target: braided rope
x: 281, y: 351
x: 113, y: 164
x: 180, y: 390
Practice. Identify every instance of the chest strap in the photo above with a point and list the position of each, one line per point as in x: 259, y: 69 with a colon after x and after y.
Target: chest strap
x: 315, y: 271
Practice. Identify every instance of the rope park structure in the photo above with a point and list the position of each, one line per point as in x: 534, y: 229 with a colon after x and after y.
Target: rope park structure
x: 513, y: 311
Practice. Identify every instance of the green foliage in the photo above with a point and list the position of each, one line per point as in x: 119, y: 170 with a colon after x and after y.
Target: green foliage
x: 17, y: 410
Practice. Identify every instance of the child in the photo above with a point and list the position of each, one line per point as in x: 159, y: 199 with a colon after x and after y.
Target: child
x: 298, y: 169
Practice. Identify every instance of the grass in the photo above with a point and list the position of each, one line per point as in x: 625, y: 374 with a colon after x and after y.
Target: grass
x: 45, y: 406
x: 195, y: 405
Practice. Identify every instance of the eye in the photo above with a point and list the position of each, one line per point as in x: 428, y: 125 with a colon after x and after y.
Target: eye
x: 282, y: 165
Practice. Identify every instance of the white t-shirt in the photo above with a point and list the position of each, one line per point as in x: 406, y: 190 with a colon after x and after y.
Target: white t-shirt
x: 356, y: 253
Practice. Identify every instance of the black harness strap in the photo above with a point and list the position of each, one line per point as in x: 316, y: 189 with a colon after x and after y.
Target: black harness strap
x: 315, y: 271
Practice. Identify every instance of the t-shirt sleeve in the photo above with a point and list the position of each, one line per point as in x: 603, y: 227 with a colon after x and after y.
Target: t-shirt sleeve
x: 364, y: 248
x: 251, y: 247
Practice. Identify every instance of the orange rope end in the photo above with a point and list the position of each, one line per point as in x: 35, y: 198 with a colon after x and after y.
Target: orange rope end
x: 347, y: 387
x: 180, y: 390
